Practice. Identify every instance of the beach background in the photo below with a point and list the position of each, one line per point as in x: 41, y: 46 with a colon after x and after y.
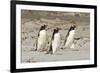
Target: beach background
x: 32, y: 20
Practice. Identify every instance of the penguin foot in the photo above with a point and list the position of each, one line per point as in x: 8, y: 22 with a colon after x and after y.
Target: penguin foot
x: 35, y: 50
x: 48, y: 52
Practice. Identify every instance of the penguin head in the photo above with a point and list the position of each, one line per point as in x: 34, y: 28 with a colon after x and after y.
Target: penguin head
x: 56, y: 30
x: 43, y: 27
x: 72, y: 27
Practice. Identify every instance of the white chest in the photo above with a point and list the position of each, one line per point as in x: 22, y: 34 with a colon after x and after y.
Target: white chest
x: 71, y: 35
x: 70, y: 38
x: 42, y: 34
x: 56, y: 42
x: 57, y: 37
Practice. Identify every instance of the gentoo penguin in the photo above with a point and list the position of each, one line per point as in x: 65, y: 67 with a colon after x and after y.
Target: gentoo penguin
x: 42, y: 39
x: 55, y: 41
x: 68, y: 43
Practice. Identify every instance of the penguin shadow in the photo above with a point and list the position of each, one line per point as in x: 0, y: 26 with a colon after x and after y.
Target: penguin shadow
x: 68, y: 49
x: 51, y: 53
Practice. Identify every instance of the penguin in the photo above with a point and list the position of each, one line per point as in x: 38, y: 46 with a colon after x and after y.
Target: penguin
x: 68, y: 43
x: 55, y: 41
x: 42, y: 39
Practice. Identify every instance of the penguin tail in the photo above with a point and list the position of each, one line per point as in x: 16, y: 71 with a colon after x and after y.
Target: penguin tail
x: 62, y: 48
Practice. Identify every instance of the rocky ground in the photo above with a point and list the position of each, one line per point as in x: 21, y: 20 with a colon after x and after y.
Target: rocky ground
x: 31, y: 22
